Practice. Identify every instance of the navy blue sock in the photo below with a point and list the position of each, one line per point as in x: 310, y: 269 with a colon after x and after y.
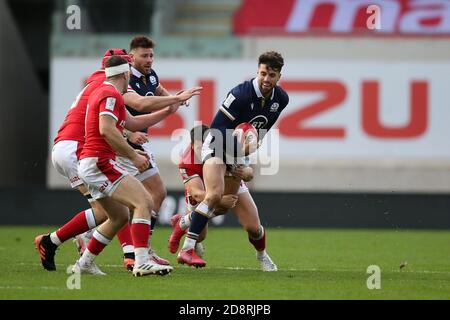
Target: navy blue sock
x: 198, y: 223
x: 153, y: 224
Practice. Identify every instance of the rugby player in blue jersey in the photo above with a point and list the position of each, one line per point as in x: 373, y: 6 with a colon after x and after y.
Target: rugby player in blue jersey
x: 258, y: 101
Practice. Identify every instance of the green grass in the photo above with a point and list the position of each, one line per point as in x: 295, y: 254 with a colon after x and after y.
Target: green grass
x: 313, y: 264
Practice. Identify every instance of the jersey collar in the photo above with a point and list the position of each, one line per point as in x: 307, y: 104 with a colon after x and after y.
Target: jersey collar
x: 137, y: 73
x: 107, y: 82
x: 258, y: 92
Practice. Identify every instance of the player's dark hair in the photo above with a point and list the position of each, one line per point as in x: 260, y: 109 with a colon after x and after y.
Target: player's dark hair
x: 141, y: 42
x: 196, y: 131
x: 272, y: 59
x: 115, y: 61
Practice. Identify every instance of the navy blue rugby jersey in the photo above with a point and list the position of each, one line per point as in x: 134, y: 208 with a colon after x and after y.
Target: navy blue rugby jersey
x: 147, y: 88
x: 245, y: 103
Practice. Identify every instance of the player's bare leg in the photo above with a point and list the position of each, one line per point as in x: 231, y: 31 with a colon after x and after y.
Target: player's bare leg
x: 213, y: 177
x: 124, y: 235
x: 155, y: 186
x: 83, y: 221
x: 181, y: 223
x: 130, y: 193
x: 117, y: 218
x: 135, y: 196
x: 248, y: 216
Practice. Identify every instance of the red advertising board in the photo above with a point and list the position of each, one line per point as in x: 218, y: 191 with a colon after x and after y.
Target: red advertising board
x: 343, y: 17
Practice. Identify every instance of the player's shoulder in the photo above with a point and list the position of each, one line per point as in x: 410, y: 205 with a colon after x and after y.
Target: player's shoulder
x: 282, y: 95
x: 96, y: 76
x: 105, y: 90
x: 153, y: 73
x: 242, y: 91
x: 153, y: 77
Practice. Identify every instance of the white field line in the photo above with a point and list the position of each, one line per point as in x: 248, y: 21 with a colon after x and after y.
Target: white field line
x: 289, y: 269
x: 31, y: 288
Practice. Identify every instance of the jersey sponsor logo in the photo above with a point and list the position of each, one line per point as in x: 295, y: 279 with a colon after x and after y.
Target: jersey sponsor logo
x: 149, y: 94
x: 229, y: 100
x: 152, y: 80
x: 274, y: 107
x: 103, y: 186
x: 74, y: 179
x: 110, y: 103
x: 259, y: 122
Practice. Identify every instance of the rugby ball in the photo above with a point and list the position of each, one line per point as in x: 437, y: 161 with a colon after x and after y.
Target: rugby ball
x: 246, y: 134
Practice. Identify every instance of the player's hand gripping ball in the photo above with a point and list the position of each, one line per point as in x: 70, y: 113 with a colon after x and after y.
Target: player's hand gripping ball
x: 247, y: 134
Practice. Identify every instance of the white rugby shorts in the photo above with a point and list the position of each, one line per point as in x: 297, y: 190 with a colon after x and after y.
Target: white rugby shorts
x: 129, y: 166
x: 65, y: 155
x: 101, y: 175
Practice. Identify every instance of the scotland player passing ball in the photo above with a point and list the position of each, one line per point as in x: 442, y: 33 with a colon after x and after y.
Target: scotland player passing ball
x: 260, y: 102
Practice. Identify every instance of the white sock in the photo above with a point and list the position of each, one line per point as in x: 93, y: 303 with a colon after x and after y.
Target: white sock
x: 140, y: 256
x: 188, y: 243
x: 260, y: 254
x: 128, y: 249
x: 87, y: 258
x: 185, y: 221
x: 90, y: 218
x: 54, y: 238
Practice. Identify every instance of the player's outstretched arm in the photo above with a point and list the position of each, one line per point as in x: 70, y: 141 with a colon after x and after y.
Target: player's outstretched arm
x: 155, y: 103
x: 136, y: 123
x: 148, y: 103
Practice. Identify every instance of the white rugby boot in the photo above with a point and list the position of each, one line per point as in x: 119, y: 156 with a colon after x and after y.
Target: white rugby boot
x: 150, y: 268
x: 154, y: 258
x: 87, y: 269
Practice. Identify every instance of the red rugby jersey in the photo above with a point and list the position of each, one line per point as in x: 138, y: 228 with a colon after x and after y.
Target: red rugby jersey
x: 73, y: 125
x: 190, y: 165
x: 105, y: 100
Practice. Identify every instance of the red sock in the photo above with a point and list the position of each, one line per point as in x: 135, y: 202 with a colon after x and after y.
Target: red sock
x: 260, y: 244
x: 124, y: 236
x: 140, y: 231
x: 97, y: 243
x: 74, y: 227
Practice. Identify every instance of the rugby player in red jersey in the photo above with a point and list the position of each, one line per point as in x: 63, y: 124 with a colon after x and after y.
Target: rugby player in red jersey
x: 111, y: 185
x: 244, y: 207
x: 65, y: 155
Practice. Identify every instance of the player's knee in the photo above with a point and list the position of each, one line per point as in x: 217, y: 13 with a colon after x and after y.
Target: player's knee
x: 145, y: 204
x: 99, y: 212
x: 122, y: 219
x: 254, y: 230
x: 159, y: 197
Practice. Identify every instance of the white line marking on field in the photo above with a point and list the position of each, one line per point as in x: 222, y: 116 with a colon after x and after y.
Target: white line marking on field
x: 30, y: 288
x: 289, y: 269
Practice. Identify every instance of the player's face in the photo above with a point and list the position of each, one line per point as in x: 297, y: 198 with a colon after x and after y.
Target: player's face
x: 124, y: 81
x: 267, y: 79
x: 142, y: 59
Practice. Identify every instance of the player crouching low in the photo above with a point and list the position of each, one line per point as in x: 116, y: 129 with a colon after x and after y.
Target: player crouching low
x: 190, y: 167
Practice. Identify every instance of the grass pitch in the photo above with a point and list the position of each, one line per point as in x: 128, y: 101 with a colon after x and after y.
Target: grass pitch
x: 313, y: 264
